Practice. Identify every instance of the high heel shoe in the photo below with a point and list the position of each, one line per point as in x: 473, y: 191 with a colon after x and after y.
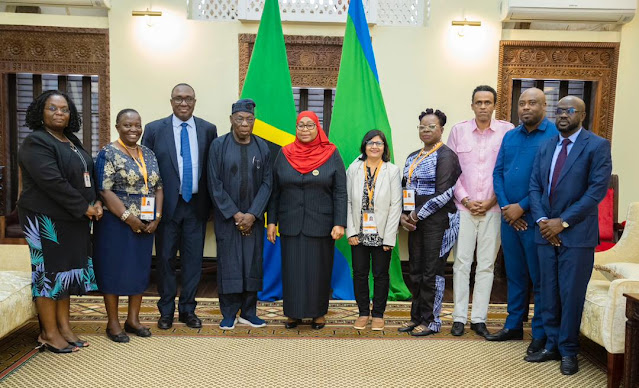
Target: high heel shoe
x: 42, y: 346
x: 79, y: 343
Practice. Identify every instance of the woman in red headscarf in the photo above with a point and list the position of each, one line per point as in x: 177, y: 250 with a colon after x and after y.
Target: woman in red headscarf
x: 309, y: 202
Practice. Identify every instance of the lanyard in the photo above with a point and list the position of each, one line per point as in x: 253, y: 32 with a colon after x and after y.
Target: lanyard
x: 371, y: 189
x: 420, y: 159
x: 141, y: 164
x: 77, y: 152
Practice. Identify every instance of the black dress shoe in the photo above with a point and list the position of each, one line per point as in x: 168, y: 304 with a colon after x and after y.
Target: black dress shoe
x: 191, y: 320
x: 140, y: 332
x: 121, y: 337
x: 165, y: 322
x: 291, y: 324
x: 569, y: 365
x: 318, y: 325
x: 507, y: 335
x: 458, y: 329
x: 536, y: 345
x: 543, y: 356
x: 480, y: 329
x: 419, y: 331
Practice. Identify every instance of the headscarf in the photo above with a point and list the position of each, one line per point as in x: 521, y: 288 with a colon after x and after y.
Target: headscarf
x: 306, y: 157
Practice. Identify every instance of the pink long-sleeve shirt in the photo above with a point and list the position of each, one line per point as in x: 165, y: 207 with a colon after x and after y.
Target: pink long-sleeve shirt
x: 477, y: 151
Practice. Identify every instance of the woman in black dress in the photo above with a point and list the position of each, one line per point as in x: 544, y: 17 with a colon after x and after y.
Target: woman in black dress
x: 56, y: 206
x: 309, y: 201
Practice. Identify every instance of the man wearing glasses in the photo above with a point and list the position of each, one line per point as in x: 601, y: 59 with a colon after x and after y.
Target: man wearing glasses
x: 476, y: 143
x: 181, y: 144
x: 511, y: 180
x: 569, y: 179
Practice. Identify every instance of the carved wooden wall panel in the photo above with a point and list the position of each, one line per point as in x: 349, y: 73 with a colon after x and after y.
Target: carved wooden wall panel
x: 564, y: 61
x: 56, y: 50
x: 313, y: 60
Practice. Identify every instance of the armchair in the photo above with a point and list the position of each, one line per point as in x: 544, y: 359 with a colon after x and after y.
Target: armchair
x: 603, y: 320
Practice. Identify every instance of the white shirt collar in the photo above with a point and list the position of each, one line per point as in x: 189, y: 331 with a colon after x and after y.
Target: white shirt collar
x: 177, y: 122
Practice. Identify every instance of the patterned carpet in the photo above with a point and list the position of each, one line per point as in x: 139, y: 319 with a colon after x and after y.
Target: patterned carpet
x: 274, y: 356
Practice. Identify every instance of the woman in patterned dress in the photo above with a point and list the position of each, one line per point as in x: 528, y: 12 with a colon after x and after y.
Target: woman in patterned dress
x: 128, y: 178
x: 56, y: 206
x: 429, y: 177
x: 374, y: 188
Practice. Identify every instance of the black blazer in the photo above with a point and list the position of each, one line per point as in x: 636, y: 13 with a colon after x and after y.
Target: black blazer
x: 308, y: 203
x: 53, y: 177
x: 582, y: 184
x: 158, y: 136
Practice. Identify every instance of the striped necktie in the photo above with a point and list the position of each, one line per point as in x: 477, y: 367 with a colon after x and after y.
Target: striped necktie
x: 187, y: 166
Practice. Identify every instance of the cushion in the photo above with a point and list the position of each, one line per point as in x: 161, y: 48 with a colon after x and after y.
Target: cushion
x: 16, y: 304
x: 606, y: 217
x: 614, y: 271
x: 604, y: 246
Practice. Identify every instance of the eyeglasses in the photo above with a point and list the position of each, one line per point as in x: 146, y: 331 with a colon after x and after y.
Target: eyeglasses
x: 54, y: 109
x: 432, y: 127
x: 371, y: 143
x: 570, y: 111
x: 308, y: 127
x: 240, y: 120
x: 180, y: 100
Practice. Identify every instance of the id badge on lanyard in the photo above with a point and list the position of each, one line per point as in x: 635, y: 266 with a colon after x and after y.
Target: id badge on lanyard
x: 87, y: 179
x: 147, y: 209
x: 369, y: 226
x: 409, y: 199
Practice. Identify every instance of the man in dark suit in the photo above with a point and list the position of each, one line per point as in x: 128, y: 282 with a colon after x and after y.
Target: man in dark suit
x: 569, y: 179
x: 181, y: 144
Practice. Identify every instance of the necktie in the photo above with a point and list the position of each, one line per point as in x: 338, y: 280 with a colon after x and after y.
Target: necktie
x: 559, y: 164
x: 187, y: 166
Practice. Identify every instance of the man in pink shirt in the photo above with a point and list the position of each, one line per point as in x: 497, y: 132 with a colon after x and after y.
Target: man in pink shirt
x: 476, y: 143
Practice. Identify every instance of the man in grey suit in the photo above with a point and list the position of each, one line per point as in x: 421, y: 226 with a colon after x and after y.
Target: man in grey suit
x: 181, y: 144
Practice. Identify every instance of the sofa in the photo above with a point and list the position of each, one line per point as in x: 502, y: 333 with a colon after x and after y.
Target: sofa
x: 604, y: 316
x: 16, y: 305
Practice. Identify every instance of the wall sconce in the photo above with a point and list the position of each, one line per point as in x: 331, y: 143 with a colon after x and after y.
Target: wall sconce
x: 147, y: 15
x: 462, y: 24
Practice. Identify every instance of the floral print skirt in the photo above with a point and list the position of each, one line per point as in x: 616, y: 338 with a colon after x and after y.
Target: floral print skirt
x: 61, y: 263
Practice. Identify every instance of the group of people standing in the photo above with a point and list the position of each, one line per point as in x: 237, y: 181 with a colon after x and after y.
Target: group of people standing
x: 490, y: 185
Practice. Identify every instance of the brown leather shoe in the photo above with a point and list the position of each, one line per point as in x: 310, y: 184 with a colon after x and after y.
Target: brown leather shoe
x: 377, y: 324
x: 360, y: 323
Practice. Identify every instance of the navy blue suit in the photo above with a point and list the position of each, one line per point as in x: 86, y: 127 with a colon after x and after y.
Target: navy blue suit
x: 183, y: 224
x: 511, y: 181
x: 565, y: 270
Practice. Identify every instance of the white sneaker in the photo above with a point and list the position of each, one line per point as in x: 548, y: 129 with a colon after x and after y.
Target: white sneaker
x: 254, y: 322
x: 227, y: 324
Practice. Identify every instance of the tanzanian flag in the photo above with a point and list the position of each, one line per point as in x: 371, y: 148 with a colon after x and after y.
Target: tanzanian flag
x: 268, y: 83
x: 358, y: 108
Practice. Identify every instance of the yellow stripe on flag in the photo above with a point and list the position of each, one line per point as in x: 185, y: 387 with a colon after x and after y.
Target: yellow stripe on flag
x: 272, y: 134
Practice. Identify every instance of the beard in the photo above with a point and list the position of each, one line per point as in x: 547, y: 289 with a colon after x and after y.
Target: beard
x: 569, y: 128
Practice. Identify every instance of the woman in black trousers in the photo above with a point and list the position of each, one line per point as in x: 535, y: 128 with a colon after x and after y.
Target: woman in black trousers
x: 374, y: 208
x: 429, y: 181
x: 309, y: 203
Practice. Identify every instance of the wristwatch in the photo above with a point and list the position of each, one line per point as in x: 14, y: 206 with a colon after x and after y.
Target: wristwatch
x: 158, y: 215
x: 564, y: 224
